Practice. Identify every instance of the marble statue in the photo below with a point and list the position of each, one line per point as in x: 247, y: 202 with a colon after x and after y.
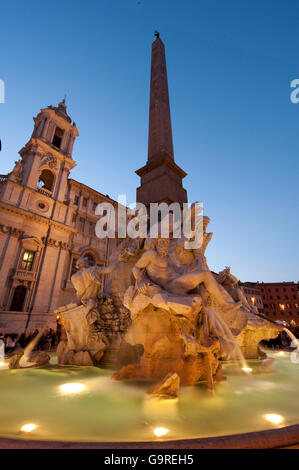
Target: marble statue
x: 93, y: 326
x: 16, y: 173
x: 231, y: 284
x: 87, y: 281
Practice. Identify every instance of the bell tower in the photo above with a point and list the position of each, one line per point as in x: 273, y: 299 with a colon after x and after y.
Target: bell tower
x: 47, y: 157
x: 39, y: 180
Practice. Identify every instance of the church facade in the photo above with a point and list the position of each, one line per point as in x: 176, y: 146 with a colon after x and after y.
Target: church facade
x: 47, y: 222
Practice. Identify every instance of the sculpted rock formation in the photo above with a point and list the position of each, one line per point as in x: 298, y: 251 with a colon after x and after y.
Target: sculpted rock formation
x: 35, y: 359
x: 28, y: 358
x: 164, y: 316
x: 168, y: 387
x: 257, y: 329
x: 186, y: 317
x: 93, y: 329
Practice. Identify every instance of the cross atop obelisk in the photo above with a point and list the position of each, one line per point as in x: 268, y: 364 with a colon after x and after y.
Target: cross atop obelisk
x: 161, y: 177
x: 160, y: 134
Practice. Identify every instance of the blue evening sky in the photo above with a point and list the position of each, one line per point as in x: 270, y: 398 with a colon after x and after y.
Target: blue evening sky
x: 235, y: 130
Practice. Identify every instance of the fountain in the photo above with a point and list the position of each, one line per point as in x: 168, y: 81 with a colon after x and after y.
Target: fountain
x: 164, y: 316
x: 167, y: 351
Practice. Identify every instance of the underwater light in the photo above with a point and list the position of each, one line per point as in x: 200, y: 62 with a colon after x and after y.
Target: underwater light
x: 159, y: 432
x: 71, y: 388
x: 28, y: 427
x: 247, y: 369
x: 274, y: 418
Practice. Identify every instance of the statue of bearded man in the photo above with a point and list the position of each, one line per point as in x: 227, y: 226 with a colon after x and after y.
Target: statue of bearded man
x: 158, y: 266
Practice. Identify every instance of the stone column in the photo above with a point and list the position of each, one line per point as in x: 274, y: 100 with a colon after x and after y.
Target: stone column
x: 45, y: 129
x: 71, y: 144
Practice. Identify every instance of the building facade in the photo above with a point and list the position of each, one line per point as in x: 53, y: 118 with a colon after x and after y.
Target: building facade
x: 276, y: 300
x: 47, y: 221
x: 281, y: 300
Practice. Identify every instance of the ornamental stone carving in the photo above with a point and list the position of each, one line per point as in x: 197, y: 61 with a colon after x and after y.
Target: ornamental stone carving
x: 16, y: 174
x: 49, y: 160
x: 15, y: 232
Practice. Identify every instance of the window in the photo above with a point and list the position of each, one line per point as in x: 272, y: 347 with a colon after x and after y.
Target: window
x: 85, y: 202
x: 27, y: 260
x: 94, y: 206
x: 82, y: 224
x: 73, y: 268
x: 76, y: 200
x: 92, y: 228
x: 46, y: 180
x: 276, y: 290
x: 74, y: 218
x: 278, y: 297
x: 57, y: 137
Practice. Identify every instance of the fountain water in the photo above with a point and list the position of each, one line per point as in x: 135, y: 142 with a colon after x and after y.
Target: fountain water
x: 28, y: 357
x: 24, y: 361
x: 229, y: 343
x: 2, y: 353
x: 295, y: 341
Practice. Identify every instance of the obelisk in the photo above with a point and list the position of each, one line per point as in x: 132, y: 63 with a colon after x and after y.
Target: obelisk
x: 161, y: 177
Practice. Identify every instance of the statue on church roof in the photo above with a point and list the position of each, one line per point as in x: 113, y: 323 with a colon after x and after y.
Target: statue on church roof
x: 16, y: 173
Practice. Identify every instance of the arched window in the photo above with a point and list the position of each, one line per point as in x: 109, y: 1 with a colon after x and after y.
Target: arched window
x: 46, y: 180
x: 18, y: 299
x: 57, y: 139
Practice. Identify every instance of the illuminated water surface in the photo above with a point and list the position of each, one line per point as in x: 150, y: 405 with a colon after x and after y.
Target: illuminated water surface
x: 84, y: 404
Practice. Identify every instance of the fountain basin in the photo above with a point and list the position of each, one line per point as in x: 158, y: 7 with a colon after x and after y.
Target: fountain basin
x: 75, y: 406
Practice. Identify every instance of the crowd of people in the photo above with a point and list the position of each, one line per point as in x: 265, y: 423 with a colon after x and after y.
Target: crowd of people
x: 50, y: 339
x: 13, y: 342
